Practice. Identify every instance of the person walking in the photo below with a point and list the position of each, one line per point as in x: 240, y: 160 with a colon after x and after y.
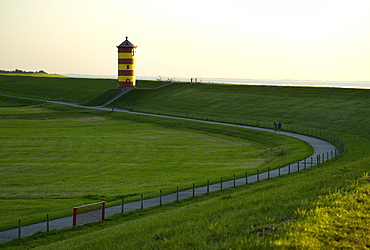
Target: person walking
x: 275, y: 126
x: 279, y: 126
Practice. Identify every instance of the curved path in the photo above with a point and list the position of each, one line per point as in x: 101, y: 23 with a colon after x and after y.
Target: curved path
x: 323, y: 151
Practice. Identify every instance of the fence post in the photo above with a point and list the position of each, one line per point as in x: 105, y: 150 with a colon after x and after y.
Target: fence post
x: 311, y: 161
x: 268, y: 172
x: 258, y: 175
x: 103, y: 211
x: 142, y: 201
x: 298, y: 165
x: 207, y: 186
x: 221, y: 183
x: 47, y: 223
x: 234, y: 180
x: 193, y: 190
x: 246, y: 177
x: 289, y: 168
x: 177, y: 194
x: 123, y: 204
x: 74, y: 221
x: 160, y: 197
x: 305, y: 163
x: 19, y: 229
x: 279, y: 170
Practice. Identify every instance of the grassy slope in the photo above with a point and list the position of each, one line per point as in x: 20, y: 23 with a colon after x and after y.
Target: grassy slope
x: 345, y: 112
x: 78, y: 90
x: 262, y: 209
x: 49, y: 156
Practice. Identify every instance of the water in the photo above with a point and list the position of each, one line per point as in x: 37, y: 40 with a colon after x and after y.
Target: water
x: 335, y: 84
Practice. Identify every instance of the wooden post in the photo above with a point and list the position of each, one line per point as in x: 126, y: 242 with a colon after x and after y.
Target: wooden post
x: 142, y: 202
x: 221, y: 182
x: 258, y: 175
x: 246, y: 177
x: 19, y: 229
x: 103, y: 211
x: 47, y: 223
x: 160, y: 197
x: 298, y: 165
x: 74, y: 222
x: 193, y: 190
x: 207, y: 186
x: 123, y: 204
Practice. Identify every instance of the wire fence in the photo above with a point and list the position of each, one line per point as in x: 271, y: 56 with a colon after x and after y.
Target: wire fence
x: 161, y: 197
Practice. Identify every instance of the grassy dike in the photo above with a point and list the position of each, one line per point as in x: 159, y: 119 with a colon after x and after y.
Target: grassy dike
x: 79, y: 90
x: 57, y: 157
x: 323, y: 207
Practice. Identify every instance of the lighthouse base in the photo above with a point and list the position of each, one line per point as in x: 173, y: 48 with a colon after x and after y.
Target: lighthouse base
x: 126, y: 84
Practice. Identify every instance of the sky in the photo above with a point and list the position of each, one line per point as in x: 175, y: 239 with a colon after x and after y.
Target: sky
x: 249, y: 39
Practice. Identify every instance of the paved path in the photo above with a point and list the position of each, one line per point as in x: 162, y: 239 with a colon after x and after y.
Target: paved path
x: 121, y: 93
x: 322, y: 151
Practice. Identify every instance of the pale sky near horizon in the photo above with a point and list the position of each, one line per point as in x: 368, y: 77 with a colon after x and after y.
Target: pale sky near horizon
x: 259, y: 39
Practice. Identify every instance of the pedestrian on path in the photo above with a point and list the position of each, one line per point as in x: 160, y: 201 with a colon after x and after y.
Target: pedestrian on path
x: 279, y: 126
x: 275, y: 126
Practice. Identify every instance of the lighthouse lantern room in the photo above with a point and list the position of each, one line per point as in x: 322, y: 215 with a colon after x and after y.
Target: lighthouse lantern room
x: 126, y: 64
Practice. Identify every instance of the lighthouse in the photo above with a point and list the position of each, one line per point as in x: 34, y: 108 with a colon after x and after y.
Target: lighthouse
x: 126, y: 64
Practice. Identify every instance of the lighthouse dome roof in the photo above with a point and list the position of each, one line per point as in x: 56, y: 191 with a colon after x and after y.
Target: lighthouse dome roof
x: 126, y: 43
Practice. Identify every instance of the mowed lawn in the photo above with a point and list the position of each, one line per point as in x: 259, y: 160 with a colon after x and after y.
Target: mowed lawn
x: 324, y: 207
x: 53, y: 157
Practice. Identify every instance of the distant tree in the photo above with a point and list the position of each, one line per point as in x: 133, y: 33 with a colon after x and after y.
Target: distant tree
x: 18, y: 71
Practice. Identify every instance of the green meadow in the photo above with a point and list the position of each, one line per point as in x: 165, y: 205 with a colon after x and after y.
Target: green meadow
x: 322, y: 207
x: 78, y: 90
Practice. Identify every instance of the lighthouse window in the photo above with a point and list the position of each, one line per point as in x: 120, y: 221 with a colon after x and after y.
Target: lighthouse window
x: 132, y: 52
x: 127, y: 66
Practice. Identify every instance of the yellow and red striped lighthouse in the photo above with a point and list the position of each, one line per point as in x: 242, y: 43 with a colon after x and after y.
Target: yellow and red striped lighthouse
x: 126, y: 64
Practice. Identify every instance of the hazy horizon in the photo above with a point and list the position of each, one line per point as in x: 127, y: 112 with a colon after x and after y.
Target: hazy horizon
x: 270, y: 82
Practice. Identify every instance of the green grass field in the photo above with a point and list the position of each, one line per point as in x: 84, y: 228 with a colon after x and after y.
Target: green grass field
x: 55, y: 88
x: 59, y: 157
x: 323, y: 207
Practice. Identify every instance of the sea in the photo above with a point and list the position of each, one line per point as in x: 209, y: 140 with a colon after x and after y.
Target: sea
x: 297, y: 83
